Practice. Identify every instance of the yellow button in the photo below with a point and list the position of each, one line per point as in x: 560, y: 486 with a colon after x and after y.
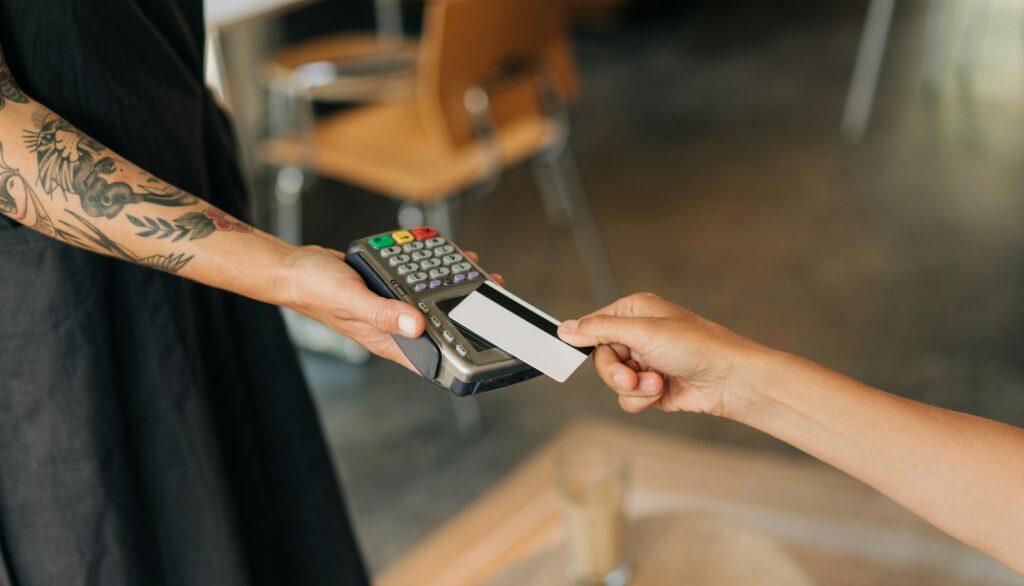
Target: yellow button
x: 403, y: 237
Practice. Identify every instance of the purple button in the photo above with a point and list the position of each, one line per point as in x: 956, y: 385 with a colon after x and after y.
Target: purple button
x: 435, y: 284
x: 460, y: 278
x: 420, y: 287
x: 472, y: 275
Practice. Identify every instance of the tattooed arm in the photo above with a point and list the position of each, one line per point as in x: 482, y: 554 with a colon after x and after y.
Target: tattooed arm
x: 62, y: 183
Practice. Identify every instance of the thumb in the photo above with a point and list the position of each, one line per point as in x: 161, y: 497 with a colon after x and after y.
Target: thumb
x: 605, y: 329
x: 389, y: 315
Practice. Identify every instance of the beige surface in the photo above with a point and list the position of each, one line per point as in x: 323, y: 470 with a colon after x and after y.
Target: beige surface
x: 696, y: 549
x: 839, y: 531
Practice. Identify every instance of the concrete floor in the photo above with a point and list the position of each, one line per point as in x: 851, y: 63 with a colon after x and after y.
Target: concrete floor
x: 717, y: 173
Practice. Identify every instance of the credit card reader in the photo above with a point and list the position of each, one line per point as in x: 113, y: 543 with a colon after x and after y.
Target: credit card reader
x: 431, y: 273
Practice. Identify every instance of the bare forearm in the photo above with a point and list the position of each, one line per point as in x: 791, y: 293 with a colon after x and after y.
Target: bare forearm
x: 60, y: 182
x: 963, y: 473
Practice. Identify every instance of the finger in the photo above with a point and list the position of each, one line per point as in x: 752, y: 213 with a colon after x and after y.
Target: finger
x: 473, y: 256
x: 651, y: 383
x: 623, y: 351
x: 387, y: 315
x: 636, y: 404
x: 498, y: 279
x: 605, y: 329
x: 616, y: 375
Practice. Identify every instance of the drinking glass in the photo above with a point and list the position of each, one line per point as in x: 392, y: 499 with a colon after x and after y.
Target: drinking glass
x: 592, y: 486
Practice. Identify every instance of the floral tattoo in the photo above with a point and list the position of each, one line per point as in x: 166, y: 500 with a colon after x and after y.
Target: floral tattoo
x: 194, y: 225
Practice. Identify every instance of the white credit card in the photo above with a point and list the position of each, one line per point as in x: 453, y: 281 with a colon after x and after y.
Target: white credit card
x: 519, y: 329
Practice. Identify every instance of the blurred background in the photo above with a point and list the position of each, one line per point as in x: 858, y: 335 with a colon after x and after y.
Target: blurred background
x: 840, y: 180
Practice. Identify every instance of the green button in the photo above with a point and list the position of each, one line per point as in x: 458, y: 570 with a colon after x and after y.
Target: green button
x: 382, y: 241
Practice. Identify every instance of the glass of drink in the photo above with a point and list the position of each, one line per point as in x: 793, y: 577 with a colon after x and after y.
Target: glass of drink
x: 592, y: 486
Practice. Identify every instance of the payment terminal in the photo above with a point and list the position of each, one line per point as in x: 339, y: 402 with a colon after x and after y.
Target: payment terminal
x: 431, y: 273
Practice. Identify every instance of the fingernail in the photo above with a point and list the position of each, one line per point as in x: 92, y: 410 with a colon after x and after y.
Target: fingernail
x: 570, y: 325
x: 648, y: 386
x: 407, y: 325
x: 620, y: 381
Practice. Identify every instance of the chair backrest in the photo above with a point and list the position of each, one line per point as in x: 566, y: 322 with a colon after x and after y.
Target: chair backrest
x: 499, y: 45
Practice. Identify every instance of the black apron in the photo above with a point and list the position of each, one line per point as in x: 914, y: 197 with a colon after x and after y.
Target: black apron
x: 152, y: 431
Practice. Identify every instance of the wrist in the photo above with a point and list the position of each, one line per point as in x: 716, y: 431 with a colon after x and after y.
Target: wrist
x: 749, y: 394
x: 282, y: 282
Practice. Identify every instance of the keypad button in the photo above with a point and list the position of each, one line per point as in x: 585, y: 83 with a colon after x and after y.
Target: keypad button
x: 439, y: 272
x: 420, y: 287
x: 459, y: 278
x: 421, y: 254
x: 436, y: 322
x: 460, y: 349
x: 412, y: 247
x: 447, y: 280
x: 448, y: 336
x: 450, y: 259
x: 389, y: 251
x: 382, y: 241
x: 435, y: 241
x: 405, y: 269
x: 400, y: 259
x: 435, y: 284
x: 430, y: 263
x: 423, y: 306
x: 472, y: 275
x: 403, y: 237
x: 424, y: 233
x: 416, y: 278
x: 461, y: 267
x: 443, y: 250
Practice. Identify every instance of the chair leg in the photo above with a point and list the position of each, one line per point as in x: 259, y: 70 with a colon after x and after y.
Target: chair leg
x: 442, y: 216
x: 288, y: 209
x: 936, y: 35
x: 554, y: 206
x: 973, y: 36
x: 566, y: 188
x: 861, y: 95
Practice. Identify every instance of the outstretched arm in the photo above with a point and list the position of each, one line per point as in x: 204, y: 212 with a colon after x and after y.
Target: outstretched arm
x: 964, y: 474
x: 64, y: 184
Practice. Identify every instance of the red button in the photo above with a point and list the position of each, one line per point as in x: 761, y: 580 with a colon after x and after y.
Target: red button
x: 424, y: 233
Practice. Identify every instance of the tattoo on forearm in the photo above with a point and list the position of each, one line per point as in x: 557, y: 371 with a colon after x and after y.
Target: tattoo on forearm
x: 86, y: 235
x: 195, y: 225
x: 74, y: 164
x: 9, y: 90
x: 13, y: 189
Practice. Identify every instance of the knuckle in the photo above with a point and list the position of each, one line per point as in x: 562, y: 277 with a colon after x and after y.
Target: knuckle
x: 644, y: 297
x: 381, y: 317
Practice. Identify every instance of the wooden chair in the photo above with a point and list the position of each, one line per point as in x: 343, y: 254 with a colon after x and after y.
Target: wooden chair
x: 493, y: 81
x: 351, y: 66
